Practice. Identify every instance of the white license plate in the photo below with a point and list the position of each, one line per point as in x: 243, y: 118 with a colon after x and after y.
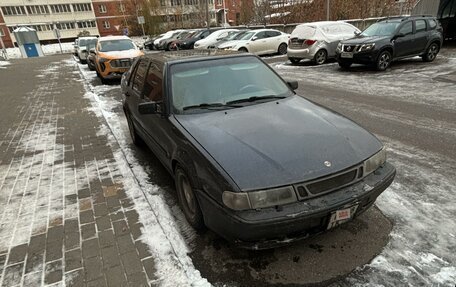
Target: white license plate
x: 346, y: 55
x: 342, y: 215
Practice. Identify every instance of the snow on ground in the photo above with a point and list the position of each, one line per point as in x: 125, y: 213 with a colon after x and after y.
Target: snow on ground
x: 3, y: 64
x: 161, y: 232
x: 14, y: 53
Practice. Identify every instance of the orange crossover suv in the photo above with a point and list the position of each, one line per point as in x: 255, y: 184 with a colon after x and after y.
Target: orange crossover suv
x: 113, y: 56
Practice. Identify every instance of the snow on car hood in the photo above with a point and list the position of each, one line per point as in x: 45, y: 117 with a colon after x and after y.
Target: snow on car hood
x: 269, y: 144
x: 133, y: 53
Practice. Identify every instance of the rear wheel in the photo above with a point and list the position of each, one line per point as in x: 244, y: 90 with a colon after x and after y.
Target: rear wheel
x: 282, y: 49
x: 383, y: 61
x: 294, y: 60
x: 320, y: 57
x: 187, y: 199
x: 431, y: 52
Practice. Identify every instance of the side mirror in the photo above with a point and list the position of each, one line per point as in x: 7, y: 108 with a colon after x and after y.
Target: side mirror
x: 292, y: 84
x: 357, y: 33
x: 399, y: 35
x: 150, y: 108
x: 254, y: 38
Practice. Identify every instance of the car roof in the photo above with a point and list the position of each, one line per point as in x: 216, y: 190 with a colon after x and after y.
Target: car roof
x: 403, y: 18
x: 192, y: 55
x: 110, y: 38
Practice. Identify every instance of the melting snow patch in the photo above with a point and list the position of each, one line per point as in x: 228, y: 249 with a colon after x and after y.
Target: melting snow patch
x: 3, y: 64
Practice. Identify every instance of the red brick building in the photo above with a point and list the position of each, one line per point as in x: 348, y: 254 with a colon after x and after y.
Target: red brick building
x: 4, y: 33
x: 115, y: 16
x: 233, y: 11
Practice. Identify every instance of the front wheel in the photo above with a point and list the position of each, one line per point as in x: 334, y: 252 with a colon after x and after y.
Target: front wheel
x: 244, y: 50
x: 282, y: 49
x: 383, y: 61
x: 320, y: 57
x: 294, y: 60
x: 431, y: 53
x: 187, y: 199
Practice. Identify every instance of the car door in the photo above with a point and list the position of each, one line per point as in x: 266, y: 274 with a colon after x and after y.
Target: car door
x: 257, y: 44
x: 273, y: 41
x: 156, y: 127
x: 403, y: 45
x: 421, y: 36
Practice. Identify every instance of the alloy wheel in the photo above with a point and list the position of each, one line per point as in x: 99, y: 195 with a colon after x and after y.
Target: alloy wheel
x: 432, y: 52
x: 283, y: 49
x: 384, y: 61
x: 320, y: 57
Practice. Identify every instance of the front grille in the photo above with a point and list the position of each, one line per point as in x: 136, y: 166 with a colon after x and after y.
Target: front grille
x: 121, y: 63
x: 296, y: 43
x: 329, y: 183
x: 350, y: 48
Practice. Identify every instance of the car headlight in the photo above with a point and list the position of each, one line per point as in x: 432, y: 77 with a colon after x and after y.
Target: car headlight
x: 102, y: 60
x: 366, y: 47
x: 375, y: 161
x: 259, y: 199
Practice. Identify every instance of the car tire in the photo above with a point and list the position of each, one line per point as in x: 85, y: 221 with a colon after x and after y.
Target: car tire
x: 103, y: 80
x: 345, y: 65
x: 294, y: 60
x: 320, y: 57
x: 431, y: 52
x: 187, y: 199
x: 135, y: 137
x: 243, y: 50
x: 168, y: 47
x: 383, y: 61
x: 282, y: 50
x: 91, y: 67
x: 83, y: 61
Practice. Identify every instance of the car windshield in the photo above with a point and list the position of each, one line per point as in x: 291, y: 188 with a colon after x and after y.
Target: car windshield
x: 381, y: 29
x: 116, y: 45
x: 235, y: 36
x: 217, y: 83
x: 86, y: 42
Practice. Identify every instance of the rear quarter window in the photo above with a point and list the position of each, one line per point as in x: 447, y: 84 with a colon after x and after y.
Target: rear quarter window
x: 432, y: 24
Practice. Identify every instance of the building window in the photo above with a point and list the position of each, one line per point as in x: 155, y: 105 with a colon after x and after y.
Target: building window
x: 219, y: 2
x: 86, y: 24
x: 176, y: 3
x: 191, y: 2
x: 37, y: 9
x: 61, y: 8
x: 121, y: 7
x: 106, y: 25
x: 163, y: 3
x: 83, y: 7
x: 211, y: 2
x: 102, y: 8
x: 65, y: 25
x: 1, y: 32
x: 13, y: 10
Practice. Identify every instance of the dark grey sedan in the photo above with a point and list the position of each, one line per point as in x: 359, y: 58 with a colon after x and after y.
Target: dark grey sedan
x: 252, y: 161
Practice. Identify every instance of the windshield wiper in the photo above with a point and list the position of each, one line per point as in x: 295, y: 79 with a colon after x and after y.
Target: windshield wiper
x: 254, y: 99
x: 209, y: 105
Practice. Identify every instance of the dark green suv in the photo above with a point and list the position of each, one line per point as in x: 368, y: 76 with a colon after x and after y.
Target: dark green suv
x: 392, y: 39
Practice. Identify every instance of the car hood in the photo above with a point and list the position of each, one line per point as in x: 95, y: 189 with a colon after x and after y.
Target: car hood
x: 364, y: 40
x: 121, y: 54
x: 278, y: 143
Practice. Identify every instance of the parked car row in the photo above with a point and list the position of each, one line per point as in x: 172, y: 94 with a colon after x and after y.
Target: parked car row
x: 379, y: 45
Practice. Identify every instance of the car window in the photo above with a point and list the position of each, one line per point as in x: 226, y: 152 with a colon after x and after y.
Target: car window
x: 138, y: 81
x: 407, y: 28
x: 432, y: 23
x: 153, y: 86
x: 261, y: 35
x: 273, y: 33
x: 133, y: 72
x: 420, y: 25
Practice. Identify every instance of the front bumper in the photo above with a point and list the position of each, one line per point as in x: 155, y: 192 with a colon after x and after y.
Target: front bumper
x: 271, y: 227
x: 110, y: 72
x: 367, y: 58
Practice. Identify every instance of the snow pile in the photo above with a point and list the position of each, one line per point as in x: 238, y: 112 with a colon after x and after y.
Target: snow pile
x: 161, y: 229
x: 50, y: 49
x: 3, y: 64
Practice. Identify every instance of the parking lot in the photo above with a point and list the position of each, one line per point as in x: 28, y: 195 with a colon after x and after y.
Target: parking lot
x: 408, y: 239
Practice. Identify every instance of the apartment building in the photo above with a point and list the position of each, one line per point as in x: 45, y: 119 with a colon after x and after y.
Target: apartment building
x: 4, y: 33
x: 115, y: 16
x: 69, y: 16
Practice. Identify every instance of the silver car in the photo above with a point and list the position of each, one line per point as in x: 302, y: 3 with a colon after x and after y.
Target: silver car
x: 318, y: 41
